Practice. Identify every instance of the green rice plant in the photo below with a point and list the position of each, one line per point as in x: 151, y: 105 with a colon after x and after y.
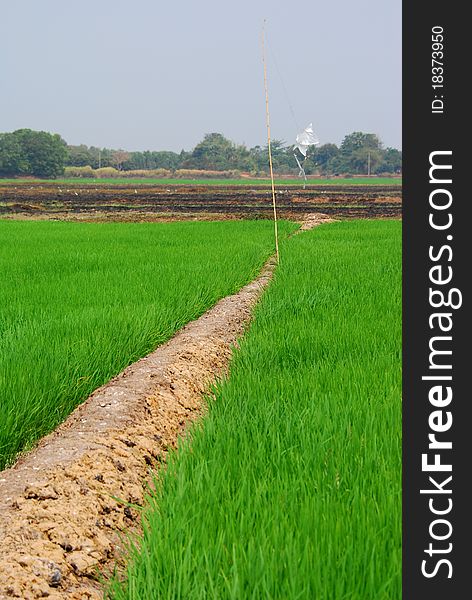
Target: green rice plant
x: 290, y: 487
x: 79, y: 302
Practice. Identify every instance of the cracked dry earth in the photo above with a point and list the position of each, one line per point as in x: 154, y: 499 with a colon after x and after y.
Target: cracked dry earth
x: 65, y: 506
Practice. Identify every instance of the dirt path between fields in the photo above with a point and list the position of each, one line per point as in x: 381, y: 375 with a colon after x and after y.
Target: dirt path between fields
x: 65, y: 505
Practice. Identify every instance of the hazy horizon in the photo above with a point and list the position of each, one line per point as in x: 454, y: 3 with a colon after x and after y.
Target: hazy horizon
x: 146, y: 77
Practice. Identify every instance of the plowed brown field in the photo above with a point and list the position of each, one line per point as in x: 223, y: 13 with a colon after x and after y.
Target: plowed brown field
x: 157, y: 202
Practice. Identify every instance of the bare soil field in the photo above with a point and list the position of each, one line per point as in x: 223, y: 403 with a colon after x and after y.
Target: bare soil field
x: 163, y: 202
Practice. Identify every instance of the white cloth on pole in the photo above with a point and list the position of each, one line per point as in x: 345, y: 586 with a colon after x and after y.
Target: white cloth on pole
x: 305, y: 139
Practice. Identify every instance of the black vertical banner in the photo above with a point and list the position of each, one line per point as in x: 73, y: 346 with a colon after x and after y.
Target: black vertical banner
x: 437, y: 264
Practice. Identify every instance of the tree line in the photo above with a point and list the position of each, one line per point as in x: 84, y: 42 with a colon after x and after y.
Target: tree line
x: 42, y: 154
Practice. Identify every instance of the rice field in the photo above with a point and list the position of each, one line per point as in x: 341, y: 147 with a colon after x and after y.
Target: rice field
x: 79, y: 302
x: 290, y: 487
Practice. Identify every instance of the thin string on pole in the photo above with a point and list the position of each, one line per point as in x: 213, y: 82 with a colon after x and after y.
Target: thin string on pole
x: 307, y: 135
x: 287, y: 96
x: 268, y: 145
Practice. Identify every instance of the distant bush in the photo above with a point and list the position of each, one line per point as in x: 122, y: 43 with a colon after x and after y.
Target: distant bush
x: 107, y: 172
x: 110, y: 172
x: 154, y: 173
x: 200, y: 174
x: 79, y: 172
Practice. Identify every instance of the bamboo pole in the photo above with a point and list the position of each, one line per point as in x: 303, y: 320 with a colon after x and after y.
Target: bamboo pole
x: 269, y: 147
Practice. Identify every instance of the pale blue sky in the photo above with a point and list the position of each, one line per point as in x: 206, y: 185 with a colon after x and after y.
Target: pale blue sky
x: 157, y: 75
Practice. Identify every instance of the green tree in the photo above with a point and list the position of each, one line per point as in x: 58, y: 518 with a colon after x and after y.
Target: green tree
x: 79, y: 156
x: 259, y: 159
x: 211, y: 153
x: 215, y: 152
x: 391, y: 162
x: 283, y: 160
x: 323, y: 157
x: 152, y: 160
x: 44, y: 154
x: 12, y: 161
x: 166, y: 159
x: 359, y: 140
x: 357, y: 150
